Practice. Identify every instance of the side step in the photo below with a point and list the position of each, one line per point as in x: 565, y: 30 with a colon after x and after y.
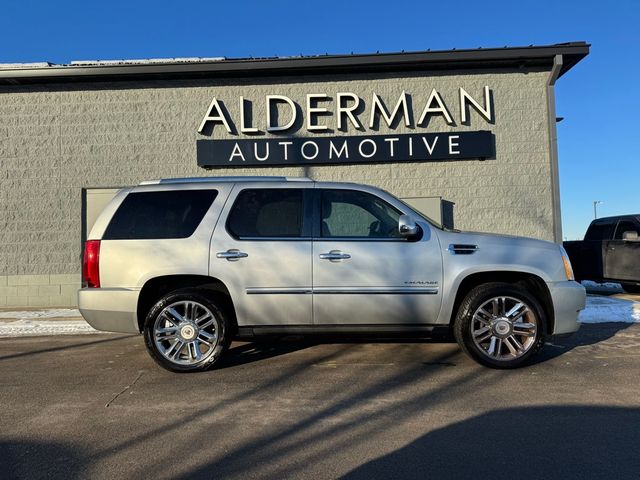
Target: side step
x: 361, y: 330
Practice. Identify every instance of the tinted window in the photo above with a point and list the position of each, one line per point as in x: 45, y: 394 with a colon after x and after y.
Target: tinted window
x: 600, y: 230
x: 348, y: 213
x: 148, y: 215
x: 626, y: 226
x: 267, y: 213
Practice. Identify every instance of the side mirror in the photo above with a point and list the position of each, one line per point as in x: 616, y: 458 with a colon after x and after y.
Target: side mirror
x: 630, y: 236
x: 407, y: 226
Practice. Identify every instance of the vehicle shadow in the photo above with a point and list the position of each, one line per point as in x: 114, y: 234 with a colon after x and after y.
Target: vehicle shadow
x: 559, y: 442
x: 245, y: 352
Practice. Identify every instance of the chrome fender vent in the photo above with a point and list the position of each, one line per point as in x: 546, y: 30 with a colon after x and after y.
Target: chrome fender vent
x: 462, y: 249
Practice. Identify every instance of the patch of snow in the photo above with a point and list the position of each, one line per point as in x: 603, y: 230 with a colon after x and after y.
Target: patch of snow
x: 607, y: 287
x: 26, y: 327
x: 49, y: 313
x: 601, y: 309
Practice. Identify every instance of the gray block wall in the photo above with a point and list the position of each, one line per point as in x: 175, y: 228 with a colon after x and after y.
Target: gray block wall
x: 57, y: 139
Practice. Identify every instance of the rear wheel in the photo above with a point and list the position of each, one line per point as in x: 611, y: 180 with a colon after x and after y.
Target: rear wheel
x: 186, y: 331
x: 500, y: 325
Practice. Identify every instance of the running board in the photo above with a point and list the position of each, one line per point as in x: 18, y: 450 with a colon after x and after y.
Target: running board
x: 372, y: 330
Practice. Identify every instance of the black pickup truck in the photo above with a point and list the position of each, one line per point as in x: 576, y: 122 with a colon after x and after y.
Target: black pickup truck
x: 609, y: 252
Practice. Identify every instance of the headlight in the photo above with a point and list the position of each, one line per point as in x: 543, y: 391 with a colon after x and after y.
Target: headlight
x: 567, y: 264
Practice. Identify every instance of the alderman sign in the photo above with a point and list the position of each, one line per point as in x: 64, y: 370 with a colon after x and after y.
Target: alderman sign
x: 278, y: 139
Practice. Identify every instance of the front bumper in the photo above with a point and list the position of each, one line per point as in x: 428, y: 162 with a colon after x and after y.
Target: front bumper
x: 568, y: 299
x: 110, y: 309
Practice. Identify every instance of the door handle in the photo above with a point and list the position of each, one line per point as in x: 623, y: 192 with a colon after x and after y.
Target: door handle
x: 232, y: 255
x: 334, y: 256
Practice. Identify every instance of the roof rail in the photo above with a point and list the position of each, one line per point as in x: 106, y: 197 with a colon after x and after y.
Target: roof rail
x: 225, y: 180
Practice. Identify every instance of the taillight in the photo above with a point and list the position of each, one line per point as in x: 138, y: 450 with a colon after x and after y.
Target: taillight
x: 91, y: 264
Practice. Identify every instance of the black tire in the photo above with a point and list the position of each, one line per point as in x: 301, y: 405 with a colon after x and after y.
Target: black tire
x: 466, y: 319
x: 160, y: 347
x: 631, y: 288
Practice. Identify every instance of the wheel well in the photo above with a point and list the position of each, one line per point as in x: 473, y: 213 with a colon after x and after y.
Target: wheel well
x: 532, y: 283
x: 157, y: 287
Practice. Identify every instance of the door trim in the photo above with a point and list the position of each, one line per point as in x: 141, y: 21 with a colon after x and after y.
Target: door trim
x: 278, y: 291
x: 375, y: 291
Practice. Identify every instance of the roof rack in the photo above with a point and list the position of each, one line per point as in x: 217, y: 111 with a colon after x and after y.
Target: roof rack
x: 229, y: 179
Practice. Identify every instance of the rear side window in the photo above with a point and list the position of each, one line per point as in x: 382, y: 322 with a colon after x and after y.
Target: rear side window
x: 158, y: 215
x: 267, y: 212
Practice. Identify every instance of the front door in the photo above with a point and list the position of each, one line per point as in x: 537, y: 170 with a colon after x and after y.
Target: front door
x: 263, y: 254
x: 622, y: 257
x: 363, y: 271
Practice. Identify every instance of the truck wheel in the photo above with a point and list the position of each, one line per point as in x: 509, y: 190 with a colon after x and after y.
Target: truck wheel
x: 185, y: 331
x: 500, y: 325
x: 631, y: 288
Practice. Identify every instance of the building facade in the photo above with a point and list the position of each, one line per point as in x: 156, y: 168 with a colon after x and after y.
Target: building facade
x: 475, y: 128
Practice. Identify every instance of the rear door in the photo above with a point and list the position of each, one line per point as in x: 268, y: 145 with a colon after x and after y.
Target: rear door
x: 363, y: 271
x: 261, y: 249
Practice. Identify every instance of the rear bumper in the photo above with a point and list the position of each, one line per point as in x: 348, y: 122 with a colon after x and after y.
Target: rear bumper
x: 568, y: 299
x: 110, y: 309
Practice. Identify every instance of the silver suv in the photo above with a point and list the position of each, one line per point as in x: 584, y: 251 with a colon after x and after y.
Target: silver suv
x: 193, y: 263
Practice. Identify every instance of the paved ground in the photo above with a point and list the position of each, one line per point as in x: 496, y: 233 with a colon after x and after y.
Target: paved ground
x: 95, y: 406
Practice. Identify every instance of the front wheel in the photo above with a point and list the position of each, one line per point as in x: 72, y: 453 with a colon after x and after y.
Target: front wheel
x: 185, y: 331
x: 500, y: 325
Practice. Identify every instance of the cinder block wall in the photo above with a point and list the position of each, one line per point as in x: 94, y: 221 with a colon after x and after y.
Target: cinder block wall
x: 57, y: 139
x: 39, y: 290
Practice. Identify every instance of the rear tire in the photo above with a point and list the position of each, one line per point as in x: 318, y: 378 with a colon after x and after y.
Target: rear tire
x: 500, y: 325
x: 186, y: 331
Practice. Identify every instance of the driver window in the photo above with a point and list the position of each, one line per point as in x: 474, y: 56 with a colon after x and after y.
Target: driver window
x: 353, y: 214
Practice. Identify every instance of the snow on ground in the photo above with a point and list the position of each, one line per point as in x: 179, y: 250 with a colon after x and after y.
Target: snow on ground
x: 601, y: 309
x: 48, y: 313
x: 53, y: 321
x: 606, y: 287
x: 25, y: 328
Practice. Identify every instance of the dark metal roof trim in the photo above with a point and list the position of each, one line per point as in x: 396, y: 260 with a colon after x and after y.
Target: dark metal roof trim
x: 508, y: 57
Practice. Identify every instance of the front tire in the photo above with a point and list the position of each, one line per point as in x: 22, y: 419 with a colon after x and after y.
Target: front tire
x: 185, y: 331
x: 500, y: 325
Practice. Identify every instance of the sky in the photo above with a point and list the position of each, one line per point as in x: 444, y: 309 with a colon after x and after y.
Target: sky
x: 598, y: 140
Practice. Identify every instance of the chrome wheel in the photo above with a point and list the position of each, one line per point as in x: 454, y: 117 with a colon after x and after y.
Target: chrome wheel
x: 504, y: 328
x: 186, y: 333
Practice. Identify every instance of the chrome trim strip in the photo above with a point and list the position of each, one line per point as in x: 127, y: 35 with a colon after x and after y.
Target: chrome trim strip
x: 341, y: 291
x: 278, y: 291
x: 376, y: 291
x: 275, y: 239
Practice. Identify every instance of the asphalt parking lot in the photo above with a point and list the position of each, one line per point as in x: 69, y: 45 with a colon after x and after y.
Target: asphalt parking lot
x: 96, y: 406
